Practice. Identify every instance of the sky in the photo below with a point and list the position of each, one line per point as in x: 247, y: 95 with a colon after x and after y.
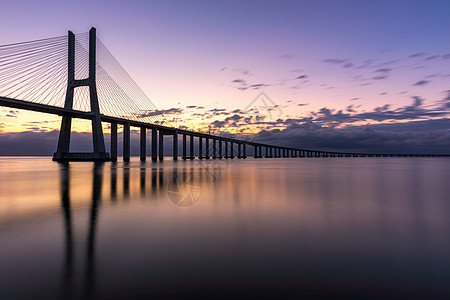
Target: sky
x: 352, y: 75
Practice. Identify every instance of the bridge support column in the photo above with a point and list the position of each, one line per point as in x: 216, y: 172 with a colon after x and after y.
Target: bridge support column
x: 231, y: 150
x: 226, y: 149
x: 184, y: 147
x: 154, y: 144
x: 207, y: 148
x: 175, y: 145
x: 191, y: 147
x: 255, y: 151
x: 239, y: 151
x: 126, y: 142
x: 244, y: 150
x: 62, y: 153
x: 114, y: 141
x: 214, y: 149
x: 220, y: 148
x: 200, y: 147
x: 161, y: 145
x: 143, y: 149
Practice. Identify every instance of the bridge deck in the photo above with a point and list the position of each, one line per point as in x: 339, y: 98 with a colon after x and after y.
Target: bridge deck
x: 43, y: 108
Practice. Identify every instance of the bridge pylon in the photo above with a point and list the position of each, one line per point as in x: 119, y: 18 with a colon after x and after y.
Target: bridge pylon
x: 62, y: 153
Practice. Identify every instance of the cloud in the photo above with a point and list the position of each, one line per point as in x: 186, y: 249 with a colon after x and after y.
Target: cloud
x: 350, y: 108
x: 432, y: 57
x: 391, y: 138
x: 383, y: 70
x: 218, y: 124
x: 242, y: 71
x: 195, y: 107
x: 421, y: 82
x: 169, y: 111
x: 244, y: 85
x: 345, y: 118
x: 380, y: 77
x: 304, y: 76
x: 348, y: 65
x: 334, y: 60
x: 419, y: 54
x: 287, y: 56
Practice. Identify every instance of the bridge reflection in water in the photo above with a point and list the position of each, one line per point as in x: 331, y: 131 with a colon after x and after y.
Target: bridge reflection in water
x: 159, y: 182
x: 318, y: 226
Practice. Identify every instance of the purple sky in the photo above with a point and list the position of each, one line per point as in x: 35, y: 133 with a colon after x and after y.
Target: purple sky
x: 357, y: 75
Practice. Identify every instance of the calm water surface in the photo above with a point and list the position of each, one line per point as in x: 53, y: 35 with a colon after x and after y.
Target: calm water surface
x: 335, y: 227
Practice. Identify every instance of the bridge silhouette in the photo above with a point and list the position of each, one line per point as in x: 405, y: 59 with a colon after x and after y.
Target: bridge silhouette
x: 48, y: 75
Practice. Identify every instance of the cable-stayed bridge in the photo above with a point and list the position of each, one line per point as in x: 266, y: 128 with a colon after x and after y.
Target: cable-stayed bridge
x: 75, y: 76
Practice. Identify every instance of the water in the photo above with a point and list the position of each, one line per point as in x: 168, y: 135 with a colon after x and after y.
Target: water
x: 335, y: 227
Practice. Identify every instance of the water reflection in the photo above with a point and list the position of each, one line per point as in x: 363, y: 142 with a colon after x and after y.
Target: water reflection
x: 259, y: 225
x: 97, y: 184
x: 177, y: 178
x: 66, y: 212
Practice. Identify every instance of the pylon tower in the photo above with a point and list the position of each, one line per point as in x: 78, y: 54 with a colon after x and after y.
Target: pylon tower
x: 62, y: 153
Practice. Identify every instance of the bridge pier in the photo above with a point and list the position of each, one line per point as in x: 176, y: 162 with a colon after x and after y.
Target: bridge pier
x: 126, y: 142
x: 191, y: 147
x: 220, y: 148
x: 154, y: 144
x: 214, y: 156
x: 113, y: 141
x: 231, y: 150
x: 239, y: 151
x: 184, y: 147
x: 161, y: 145
x: 207, y: 148
x: 63, y: 150
x: 143, y: 148
x: 226, y: 149
x: 200, y: 147
x: 175, y: 145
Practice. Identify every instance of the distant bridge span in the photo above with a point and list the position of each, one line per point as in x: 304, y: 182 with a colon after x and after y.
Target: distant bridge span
x: 26, y: 58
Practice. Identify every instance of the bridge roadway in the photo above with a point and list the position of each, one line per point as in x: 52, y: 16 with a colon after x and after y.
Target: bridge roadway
x: 223, y: 152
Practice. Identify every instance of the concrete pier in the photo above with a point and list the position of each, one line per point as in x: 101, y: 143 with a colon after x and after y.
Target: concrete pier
x: 154, y: 144
x: 226, y: 149
x: 184, y: 147
x: 126, y: 142
x: 175, y: 145
x: 220, y: 148
x: 114, y: 141
x: 207, y: 148
x: 191, y: 147
x: 200, y: 148
x: 161, y: 145
x: 231, y: 150
x: 143, y: 148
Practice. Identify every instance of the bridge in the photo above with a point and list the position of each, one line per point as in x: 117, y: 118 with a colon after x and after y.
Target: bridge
x: 47, y: 75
